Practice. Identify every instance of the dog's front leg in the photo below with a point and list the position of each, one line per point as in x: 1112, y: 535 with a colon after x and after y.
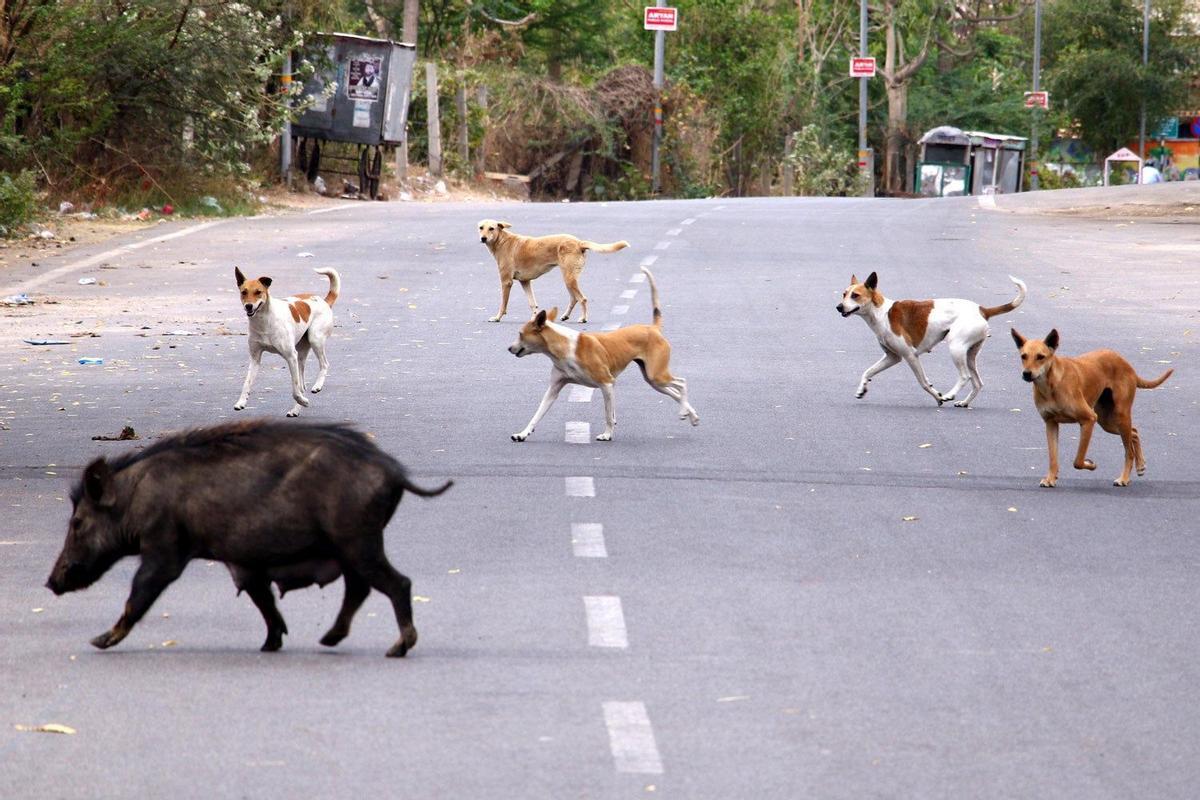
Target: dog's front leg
x: 557, y: 382
x: 914, y: 364
x: 889, y: 360
x: 1051, y: 445
x: 505, y: 289
x: 1085, y: 437
x: 293, y: 362
x: 533, y: 306
x: 251, y: 374
x: 610, y: 412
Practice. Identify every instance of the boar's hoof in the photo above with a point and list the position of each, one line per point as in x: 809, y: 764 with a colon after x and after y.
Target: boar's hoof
x: 333, y: 637
x: 408, y: 640
x: 272, y: 644
x: 398, y: 650
x: 106, y: 640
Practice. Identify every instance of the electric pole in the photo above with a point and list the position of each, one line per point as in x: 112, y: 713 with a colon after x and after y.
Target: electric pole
x: 1037, y: 80
x: 660, y: 44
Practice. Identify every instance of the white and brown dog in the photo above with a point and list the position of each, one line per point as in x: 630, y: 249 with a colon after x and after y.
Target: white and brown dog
x: 525, y: 258
x: 907, y: 329
x: 596, y: 359
x: 289, y: 328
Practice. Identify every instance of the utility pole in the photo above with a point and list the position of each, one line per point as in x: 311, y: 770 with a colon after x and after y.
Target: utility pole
x: 1037, y: 80
x: 285, y: 81
x: 1145, y: 61
x: 660, y: 45
x: 408, y: 35
x: 865, y: 160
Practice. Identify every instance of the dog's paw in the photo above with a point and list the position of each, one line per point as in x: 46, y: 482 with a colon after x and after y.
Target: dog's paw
x: 860, y: 394
x: 316, y: 388
x: 1047, y: 483
x: 239, y: 406
x: 1141, y: 470
x: 565, y: 318
x: 604, y: 437
x: 1119, y: 482
x: 494, y: 319
x: 583, y: 320
x: 520, y: 437
x: 962, y: 404
x: 940, y: 401
x: 301, y: 400
x: 293, y: 413
x: 1087, y: 464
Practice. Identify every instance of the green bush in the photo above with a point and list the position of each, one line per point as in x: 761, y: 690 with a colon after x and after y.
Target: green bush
x: 821, y: 169
x: 18, y: 201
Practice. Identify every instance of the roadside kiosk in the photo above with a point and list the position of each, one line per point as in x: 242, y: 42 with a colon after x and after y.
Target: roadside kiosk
x: 955, y: 162
x: 358, y: 95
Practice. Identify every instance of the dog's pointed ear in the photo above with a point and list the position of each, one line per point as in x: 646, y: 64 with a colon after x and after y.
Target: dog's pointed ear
x: 265, y: 281
x: 1018, y: 338
x: 503, y: 225
x: 853, y: 279
x: 1051, y: 339
x: 539, y: 321
x: 871, y: 282
x: 237, y: 273
x: 552, y: 314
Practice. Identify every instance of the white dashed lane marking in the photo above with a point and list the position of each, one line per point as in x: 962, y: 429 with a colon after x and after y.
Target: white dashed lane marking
x: 580, y: 486
x: 662, y: 245
x: 611, y: 326
x: 578, y: 432
x: 648, y: 261
x: 674, y: 231
x: 688, y: 221
x: 639, y: 278
x: 587, y: 540
x: 631, y: 738
x: 580, y: 394
x: 619, y: 310
x: 605, y: 621
x: 629, y: 294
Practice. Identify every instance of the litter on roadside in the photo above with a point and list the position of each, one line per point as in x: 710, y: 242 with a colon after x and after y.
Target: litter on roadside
x: 86, y: 281
x: 179, y: 333
x: 91, y: 361
x: 41, y: 342
x: 21, y: 299
x: 127, y: 434
x: 304, y: 255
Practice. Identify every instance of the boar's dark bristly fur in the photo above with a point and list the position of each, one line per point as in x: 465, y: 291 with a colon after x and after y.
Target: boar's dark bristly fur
x: 284, y: 503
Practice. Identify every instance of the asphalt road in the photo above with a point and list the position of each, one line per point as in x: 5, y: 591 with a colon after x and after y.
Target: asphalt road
x: 766, y: 620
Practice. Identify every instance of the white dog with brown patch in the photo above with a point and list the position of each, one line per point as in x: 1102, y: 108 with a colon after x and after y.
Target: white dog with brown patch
x: 289, y: 328
x: 907, y: 329
x: 596, y: 359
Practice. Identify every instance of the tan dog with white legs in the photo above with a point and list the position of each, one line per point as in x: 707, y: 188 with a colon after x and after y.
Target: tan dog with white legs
x: 1095, y: 387
x: 525, y: 258
x: 596, y: 359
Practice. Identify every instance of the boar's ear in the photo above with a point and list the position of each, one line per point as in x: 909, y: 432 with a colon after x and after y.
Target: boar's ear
x: 871, y: 282
x: 98, y: 483
x: 237, y: 273
x: 265, y: 281
x: 1051, y: 339
x: 1018, y: 338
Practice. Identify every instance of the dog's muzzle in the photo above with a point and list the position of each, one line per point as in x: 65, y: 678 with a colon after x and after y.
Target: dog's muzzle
x: 250, y: 310
x: 517, y: 350
x: 1027, y: 376
x: 483, y: 240
x: 841, y: 309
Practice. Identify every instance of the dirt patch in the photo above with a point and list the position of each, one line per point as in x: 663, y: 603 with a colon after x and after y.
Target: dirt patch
x: 1175, y: 212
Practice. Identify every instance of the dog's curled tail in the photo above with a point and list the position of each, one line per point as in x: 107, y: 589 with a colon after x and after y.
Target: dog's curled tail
x: 988, y: 313
x: 335, y: 283
x: 1142, y: 383
x: 611, y: 247
x: 654, y: 298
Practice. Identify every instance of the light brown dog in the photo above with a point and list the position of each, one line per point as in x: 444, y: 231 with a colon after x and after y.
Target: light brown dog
x: 524, y: 258
x: 1095, y: 387
x: 596, y: 359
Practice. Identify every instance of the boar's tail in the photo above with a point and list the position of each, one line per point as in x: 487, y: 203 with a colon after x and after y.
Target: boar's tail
x: 417, y: 490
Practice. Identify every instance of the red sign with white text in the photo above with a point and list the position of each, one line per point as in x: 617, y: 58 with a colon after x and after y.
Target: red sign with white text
x: 862, y: 67
x: 661, y: 19
x: 1037, y: 100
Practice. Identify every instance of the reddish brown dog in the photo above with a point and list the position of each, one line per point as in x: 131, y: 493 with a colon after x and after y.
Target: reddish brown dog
x: 1095, y: 387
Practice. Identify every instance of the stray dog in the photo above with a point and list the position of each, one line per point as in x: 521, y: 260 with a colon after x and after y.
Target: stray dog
x: 523, y: 258
x: 290, y: 328
x: 262, y: 497
x: 1095, y: 387
x: 907, y: 329
x: 596, y: 359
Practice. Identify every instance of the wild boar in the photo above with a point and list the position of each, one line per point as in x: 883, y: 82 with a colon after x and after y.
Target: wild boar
x: 275, y: 502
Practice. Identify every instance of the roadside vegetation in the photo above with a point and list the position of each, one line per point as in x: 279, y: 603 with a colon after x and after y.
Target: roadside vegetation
x: 125, y: 104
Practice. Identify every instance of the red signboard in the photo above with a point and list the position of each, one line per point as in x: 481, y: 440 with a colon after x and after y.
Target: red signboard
x: 862, y: 67
x: 661, y: 19
x: 1037, y: 100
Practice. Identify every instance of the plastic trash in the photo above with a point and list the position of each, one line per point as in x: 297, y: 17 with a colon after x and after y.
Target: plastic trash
x: 86, y: 281
x: 21, y: 299
x: 91, y: 361
x: 304, y: 255
x: 211, y: 202
x: 66, y: 207
x: 44, y: 341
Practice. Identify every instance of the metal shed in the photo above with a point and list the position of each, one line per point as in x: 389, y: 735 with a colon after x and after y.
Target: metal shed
x: 359, y: 94
x: 955, y: 162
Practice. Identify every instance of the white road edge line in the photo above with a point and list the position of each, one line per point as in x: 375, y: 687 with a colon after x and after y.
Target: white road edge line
x: 631, y: 738
x: 580, y: 486
x: 334, y: 208
x: 580, y: 394
x: 987, y: 201
x: 587, y: 540
x: 605, y: 621
x: 57, y: 272
x: 578, y: 432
